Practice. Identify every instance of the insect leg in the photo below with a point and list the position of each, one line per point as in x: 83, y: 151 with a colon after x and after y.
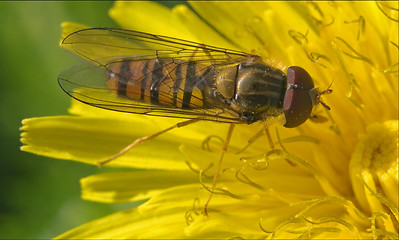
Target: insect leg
x: 215, y: 177
x: 146, y: 138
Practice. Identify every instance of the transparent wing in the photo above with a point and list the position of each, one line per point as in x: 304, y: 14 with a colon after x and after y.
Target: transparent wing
x: 86, y: 83
x: 103, y: 45
x: 106, y: 48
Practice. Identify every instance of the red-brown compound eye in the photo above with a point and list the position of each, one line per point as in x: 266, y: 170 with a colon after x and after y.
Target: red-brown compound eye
x: 297, y: 101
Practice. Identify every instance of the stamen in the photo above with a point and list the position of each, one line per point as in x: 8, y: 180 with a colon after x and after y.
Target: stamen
x: 244, y: 179
x: 193, y: 211
x: 354, y: 54
x: 381, y: 5
x: 377, y: 232
x: 258, y: 162
x: 353, y: 85
x: 317, y: 15
x: 192, y: 168
x: 325, y: 184
x: 361, y: 23
x: 302, y: 40
x: 206, y: 143
x: 394, y: 210
x: 251, y: 140
x: 329, y: 219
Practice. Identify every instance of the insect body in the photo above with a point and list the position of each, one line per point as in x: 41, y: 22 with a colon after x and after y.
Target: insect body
x: 163, y: 76
x: 141, y: 73
x: 248, y: 91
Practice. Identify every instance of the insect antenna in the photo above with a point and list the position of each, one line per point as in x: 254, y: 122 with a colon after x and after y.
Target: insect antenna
x: 325, y: 105
x: 327, y: 91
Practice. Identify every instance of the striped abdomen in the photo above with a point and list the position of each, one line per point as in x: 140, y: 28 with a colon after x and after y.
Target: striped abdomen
x: 160, y: 82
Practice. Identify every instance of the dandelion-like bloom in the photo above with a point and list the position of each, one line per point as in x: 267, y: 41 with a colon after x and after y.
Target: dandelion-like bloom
x: 337, y: 179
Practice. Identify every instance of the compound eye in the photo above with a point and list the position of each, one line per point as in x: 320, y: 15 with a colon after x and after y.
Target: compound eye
x: 297, y: 101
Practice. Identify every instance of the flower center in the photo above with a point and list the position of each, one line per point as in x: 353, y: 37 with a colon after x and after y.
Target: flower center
x: 374, y: 171
x: 377, y: 150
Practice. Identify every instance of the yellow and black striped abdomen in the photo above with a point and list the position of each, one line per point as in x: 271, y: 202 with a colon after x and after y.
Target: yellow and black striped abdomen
x: 161, y: 82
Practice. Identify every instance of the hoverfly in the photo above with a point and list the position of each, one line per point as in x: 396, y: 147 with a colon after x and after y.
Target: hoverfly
x: 165, y: 76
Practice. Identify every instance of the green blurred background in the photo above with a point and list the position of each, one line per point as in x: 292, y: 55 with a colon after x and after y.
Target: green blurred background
x: 40, y: 197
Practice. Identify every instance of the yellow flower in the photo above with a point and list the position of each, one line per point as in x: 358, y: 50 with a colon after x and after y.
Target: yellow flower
x: 337, y: 179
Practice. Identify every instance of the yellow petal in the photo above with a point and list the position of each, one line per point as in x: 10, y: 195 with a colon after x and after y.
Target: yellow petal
x: 151, y: 17
x: 129, y: 224
x: 131, y: 186
x: 234, y: 20
x: 71, y: 27
x: 79, y: 138
x: 205, y: 34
